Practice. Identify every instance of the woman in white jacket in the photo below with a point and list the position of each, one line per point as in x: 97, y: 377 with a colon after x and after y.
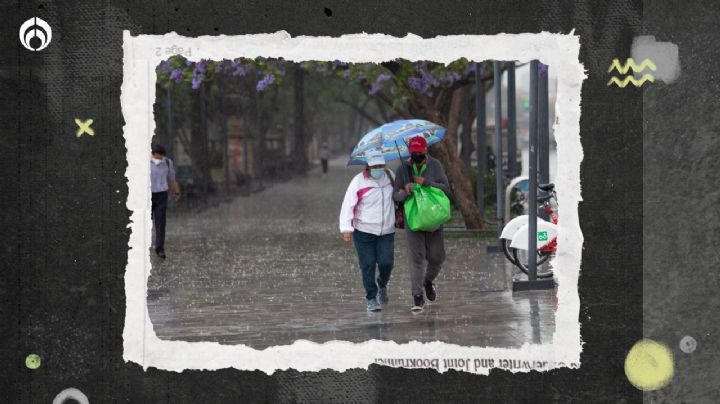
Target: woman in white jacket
x: 367, y: 218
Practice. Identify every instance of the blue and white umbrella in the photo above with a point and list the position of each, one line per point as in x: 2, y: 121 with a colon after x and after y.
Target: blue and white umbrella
x: 392, y: 139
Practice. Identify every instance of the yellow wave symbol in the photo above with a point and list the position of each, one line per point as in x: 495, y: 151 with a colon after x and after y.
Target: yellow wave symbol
x: 631, y: 79
x: 630, y: 64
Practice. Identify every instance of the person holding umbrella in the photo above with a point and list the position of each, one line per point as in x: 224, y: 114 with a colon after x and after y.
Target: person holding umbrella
x: 367, y: 219
x: 426, y: 249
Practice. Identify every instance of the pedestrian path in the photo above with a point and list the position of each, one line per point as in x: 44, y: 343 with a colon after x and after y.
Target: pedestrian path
x: 271, y: 268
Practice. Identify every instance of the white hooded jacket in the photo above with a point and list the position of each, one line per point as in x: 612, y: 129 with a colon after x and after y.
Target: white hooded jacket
x: 368, y: 205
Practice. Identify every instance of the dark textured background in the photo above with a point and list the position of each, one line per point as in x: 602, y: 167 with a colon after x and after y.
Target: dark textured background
x: 681, y: 209
x: 64, y: 226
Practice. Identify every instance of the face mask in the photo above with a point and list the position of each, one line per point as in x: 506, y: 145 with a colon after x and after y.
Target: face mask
x: 156, y: 161
x: 417, y: 158
x: 377, y: 173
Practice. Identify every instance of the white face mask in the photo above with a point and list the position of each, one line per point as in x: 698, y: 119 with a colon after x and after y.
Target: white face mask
x: 157, y: 161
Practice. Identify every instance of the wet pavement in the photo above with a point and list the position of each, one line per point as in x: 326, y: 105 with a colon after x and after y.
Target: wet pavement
x: 271, y: 268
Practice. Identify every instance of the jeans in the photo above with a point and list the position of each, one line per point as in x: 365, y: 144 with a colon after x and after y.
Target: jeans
x: 374, y: 251
x: 159, y: 207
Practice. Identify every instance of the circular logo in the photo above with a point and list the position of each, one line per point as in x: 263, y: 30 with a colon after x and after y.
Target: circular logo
x: 35, y: 34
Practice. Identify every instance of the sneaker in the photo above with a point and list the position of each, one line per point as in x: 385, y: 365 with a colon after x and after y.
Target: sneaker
x: 373, y: 305
x: 430, y: 291
x: 382, y: 296
x: 161, y: 254
x: 419, y: 302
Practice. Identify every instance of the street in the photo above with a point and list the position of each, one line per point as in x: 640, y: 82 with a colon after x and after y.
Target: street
x: 271, y: 268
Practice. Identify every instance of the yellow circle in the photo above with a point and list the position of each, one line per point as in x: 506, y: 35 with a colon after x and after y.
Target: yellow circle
x: 649, y: 365
x: 32, y: 361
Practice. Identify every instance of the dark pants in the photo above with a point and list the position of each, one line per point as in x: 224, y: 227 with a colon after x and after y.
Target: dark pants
x: 324, y: 165
x: 426, y: 253
x: 374, y: 251
x: 159, y: 207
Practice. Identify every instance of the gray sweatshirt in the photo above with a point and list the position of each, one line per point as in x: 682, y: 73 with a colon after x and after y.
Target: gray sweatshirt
x: 434, y: 176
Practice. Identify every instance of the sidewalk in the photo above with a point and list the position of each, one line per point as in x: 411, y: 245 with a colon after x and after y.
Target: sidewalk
x: 271, y: 268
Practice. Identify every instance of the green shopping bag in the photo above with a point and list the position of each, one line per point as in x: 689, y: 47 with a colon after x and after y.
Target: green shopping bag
x: 427, y: 208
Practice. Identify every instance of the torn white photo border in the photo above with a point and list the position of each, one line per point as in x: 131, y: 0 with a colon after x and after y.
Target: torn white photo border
x: 140, y: 343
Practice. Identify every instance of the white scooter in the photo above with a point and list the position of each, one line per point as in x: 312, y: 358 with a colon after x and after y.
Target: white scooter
x: 514, y: 236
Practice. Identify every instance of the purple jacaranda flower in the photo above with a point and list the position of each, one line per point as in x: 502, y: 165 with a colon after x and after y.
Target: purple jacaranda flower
x: 197, y: 81
x: 378, y: 83
x: 265, y: 81
x: 470, y: 69
x: 415, y: 83
x: 176, y: 75
x: 201, y: 67
x: 238, y: 68
x: 164, y: 67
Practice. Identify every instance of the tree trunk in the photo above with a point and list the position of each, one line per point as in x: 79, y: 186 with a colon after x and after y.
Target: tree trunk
x: 457, y: 172
x: 196, y: 138
x: 301, y: 159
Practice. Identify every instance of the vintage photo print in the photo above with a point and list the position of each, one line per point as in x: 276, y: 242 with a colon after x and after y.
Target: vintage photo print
x: 331, y: 203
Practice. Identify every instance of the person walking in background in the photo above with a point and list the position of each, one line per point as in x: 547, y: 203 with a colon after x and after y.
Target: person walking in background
x: 367, y: 218
x: 324, y: 155
x: 162, y: 177
x: 426, y: 249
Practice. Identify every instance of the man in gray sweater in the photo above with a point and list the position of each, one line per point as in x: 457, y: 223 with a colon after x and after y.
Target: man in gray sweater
x: 426, y: 249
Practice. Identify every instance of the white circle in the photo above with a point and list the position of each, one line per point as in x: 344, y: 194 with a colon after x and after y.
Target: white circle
x: 688, y: 344
x: 71, y: 393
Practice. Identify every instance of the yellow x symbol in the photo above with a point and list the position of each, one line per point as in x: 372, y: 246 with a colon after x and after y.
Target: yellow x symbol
x: 84, y: 127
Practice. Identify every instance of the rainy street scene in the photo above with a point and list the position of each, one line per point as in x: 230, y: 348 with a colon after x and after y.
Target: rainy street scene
x: 325, y: 201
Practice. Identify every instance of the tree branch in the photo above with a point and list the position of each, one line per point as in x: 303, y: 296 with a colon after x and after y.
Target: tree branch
x: 360, y: 111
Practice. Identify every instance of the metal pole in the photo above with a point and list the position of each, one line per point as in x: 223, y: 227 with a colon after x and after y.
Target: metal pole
x: 497, y: 83
x: 466, y: 127
x: 543, y: 126
x: 512, y: 121
x: 532, y: 173
x: 481, y: 143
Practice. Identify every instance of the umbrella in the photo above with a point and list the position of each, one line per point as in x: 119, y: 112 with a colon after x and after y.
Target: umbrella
x: 392, y: 137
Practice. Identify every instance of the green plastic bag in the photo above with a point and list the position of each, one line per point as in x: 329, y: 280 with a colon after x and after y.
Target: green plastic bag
x: 426, y: 209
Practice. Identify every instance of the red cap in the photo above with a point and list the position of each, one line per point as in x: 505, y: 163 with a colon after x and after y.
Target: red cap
x: 417, y: 144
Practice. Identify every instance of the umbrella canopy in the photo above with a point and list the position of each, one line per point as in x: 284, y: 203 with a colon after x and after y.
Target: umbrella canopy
x: 392, y: 137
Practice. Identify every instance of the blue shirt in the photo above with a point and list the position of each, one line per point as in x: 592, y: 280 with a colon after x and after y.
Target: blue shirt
x: 161, y: 175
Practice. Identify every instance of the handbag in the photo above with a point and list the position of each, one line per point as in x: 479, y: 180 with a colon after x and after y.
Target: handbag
x: 399, y: 206
x: 427, y: 208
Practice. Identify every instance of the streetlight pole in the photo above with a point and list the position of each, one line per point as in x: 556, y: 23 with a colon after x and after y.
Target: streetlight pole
x: 543, y: 126
x: 497, y: 83
x: 532, y: 174
x: 512, y: 122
